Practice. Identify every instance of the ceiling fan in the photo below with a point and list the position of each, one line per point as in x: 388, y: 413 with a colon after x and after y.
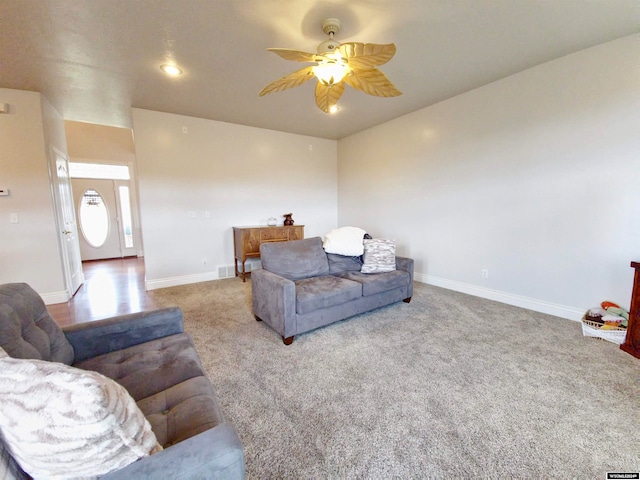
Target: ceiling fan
x: 335, y: 65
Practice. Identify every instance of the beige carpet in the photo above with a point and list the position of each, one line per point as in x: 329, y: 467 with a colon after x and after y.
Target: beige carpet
x: 449, y: 385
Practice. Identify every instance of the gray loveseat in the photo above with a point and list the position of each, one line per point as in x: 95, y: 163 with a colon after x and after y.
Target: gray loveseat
x: 300, y: 287
x: 150, y: 355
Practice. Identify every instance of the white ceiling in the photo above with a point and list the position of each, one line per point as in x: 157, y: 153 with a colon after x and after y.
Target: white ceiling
x: 95, y: 59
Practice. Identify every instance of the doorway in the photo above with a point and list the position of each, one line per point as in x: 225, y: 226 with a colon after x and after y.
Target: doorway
x: 106, y: 208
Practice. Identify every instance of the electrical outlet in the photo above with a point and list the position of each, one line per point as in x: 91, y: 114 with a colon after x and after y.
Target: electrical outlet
x: 485, y: 273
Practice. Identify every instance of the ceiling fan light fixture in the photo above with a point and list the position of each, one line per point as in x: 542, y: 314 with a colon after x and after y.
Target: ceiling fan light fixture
x: 331, y: 70
x: 171, y: 70
x: 335, y: 66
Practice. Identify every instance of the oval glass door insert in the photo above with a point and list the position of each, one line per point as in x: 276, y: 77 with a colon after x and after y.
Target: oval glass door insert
x: 94, y: 218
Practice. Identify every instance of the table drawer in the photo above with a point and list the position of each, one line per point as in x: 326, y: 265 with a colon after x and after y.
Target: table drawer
x: 274, y: 235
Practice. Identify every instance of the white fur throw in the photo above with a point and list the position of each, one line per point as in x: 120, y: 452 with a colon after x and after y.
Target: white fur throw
x: 63, y: 422
x: 344, y: 241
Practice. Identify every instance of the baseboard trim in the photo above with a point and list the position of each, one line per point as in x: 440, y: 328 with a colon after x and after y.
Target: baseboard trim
x: 181, y: 280
x: 534, y: 304
x: 55, y: 297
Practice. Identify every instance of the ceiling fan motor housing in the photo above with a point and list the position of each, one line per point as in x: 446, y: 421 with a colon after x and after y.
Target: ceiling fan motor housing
x: 330, y: 26
x: 328, y: 47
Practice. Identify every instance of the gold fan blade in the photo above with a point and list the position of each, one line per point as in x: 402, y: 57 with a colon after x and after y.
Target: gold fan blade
x: 373, y: 82
x: 326, y: 97
x: 295, y: 55
x: 294, y: 79
x: 367, y: 55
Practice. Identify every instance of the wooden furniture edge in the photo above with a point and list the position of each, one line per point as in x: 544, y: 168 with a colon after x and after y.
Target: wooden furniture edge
x: 631, y: 344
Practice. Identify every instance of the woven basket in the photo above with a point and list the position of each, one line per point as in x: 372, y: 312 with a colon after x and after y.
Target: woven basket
x: 592, y: 329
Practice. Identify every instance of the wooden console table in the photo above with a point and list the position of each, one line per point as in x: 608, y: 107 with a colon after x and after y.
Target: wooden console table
x: 247, y: 241
x: 632, y: 341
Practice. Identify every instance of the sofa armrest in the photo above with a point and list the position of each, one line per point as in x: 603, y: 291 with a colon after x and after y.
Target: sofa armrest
x: 90, y: 339
x: 213, y: 454
x: 274, y: 301
x: 406, y: 264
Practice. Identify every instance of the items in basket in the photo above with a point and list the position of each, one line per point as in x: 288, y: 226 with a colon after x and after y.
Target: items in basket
x: 608, y: 322
x: 608, y: 316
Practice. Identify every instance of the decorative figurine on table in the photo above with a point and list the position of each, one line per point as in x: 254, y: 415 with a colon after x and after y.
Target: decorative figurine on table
x: 287, y: 218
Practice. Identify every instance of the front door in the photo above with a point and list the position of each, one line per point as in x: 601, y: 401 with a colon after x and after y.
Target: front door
x: 104, y: 212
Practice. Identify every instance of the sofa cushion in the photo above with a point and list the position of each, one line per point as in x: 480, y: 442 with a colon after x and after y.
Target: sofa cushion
x: 63, y: 422
x: 379, y: 256
x: 343, y: 263
x: 373, y: 283
x: 151, y: 367
x: 321, y: 292
x: 182, y: 411
x: 296, y: 259
x: 26, y: 328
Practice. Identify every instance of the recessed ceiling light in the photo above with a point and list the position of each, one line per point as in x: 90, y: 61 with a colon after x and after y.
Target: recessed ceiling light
x: 333, y: 109
x: 171, y: 70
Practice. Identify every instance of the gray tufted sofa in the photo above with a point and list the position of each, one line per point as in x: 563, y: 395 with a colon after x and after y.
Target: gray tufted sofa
x: 301, y: 287
x: 150, y: 355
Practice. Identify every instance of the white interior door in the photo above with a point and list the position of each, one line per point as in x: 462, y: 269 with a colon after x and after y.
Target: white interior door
x: 66, y: 220
x: 104, y: 214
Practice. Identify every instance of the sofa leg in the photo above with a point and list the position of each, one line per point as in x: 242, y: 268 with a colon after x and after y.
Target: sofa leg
x: 288, y: 340
x: 407, y: 300
x: 258, y: 319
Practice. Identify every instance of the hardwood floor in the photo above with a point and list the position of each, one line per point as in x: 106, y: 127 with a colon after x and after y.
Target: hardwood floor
x: 111, y: 287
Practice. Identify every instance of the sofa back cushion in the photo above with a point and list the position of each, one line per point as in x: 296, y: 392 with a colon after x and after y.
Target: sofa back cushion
x: 26, y: 328
x: 342, y: 263
x: 296, y: 259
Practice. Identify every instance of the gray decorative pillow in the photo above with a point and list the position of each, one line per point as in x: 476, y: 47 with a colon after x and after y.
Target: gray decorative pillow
x: 379, y: 256
x: 59, y: 421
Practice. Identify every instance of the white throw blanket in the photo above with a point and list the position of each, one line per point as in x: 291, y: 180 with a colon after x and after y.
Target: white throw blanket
x: 345, y: 241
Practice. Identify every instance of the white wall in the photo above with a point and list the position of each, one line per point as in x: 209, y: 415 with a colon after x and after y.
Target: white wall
x: 29, y: 250
x: 535, y: 178
x: 99, y: 143
x: 240, y: 175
